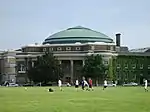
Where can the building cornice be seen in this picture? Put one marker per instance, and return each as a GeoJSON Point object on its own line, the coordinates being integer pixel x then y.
{"type": "Point", "coordinates": [75, 44]}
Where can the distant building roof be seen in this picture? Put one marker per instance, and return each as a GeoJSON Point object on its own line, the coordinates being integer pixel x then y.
{"type": "Point", "coordinates": [147, 49]}
{"type": "Point", "coordinates": [124, 49]}
{"type": "Point", "coordinates": [18, 50]}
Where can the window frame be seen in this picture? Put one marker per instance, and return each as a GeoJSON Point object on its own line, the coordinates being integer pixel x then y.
{"type": "Point", "coordinates": [59, 48]}
{"type": "Point", "coordinates": [51, 49]}
{"type": "Point", "coordinates": [68, 49]}
{"type": "Point", "coordinates": [78, 48]}
{"type": "Point", "coordinates": [44, 49]}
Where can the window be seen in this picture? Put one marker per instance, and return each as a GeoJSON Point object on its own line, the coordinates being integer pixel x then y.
{"type": "Point", "coordinates": [22, 67]}
{"type": "Point", "coordinates": [59, 49]}
{"type": "Point", "coordinates": [32, 49]}
{"type": "Point", "coordinates": [134, 76]}
{"type": "Point", "coordinates": [111, 48]}
{"type": "Point", "coordinates": [44, 49]}
{"type": "Point", "coordinates": [36, 50]}
{"type": "Point", "coordinates": [78, 48]}
{"type": "Point", "coordinates": [114, 48]}
{"type": "Point", "coordinates": [68, 48]}
{"type": "Point", "coordinates": [126, 75]}
{"type": "Point", "coordinates": [92, 47]}
{"type": "Point", "coordinates": [11, 60]}
{"type": "Point", "coordinates": [50, 49]}
{"type": "Point", "coordinates": [108, 47]}
{"type": "Point", "coordinates": [126, 66]}
{"type": "Point", "coordinates": [118, 65]}
{"type": "Point", "coordinates": [141, 66]}
{"type": "Point", "coordinates": [133, 66]}
{"type": "Point", "coordinates": [105, 62]}
{"type": "Point", "coordinates": [118, 75]}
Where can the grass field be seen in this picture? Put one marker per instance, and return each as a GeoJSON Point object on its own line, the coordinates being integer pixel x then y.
{"type": "Point", "coordinates": [38, 99]}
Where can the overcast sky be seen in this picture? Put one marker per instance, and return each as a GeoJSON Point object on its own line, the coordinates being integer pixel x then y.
{"type": "Point", "coordinates": [25, 22]}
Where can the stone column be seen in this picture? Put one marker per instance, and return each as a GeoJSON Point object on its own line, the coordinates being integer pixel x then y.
{"type": "Point", "coordinates": [26, 63]}
{"type": "Point", "coordinates": [83, 61]}
{"type": "Point", "coordinates": [71, 72]}
{"type": "Point", "coordinates": [32, 63]}
{"type": "Point", "coordinates": [60, 62]}
{"type": "Point", "coordinates": [21, 67]}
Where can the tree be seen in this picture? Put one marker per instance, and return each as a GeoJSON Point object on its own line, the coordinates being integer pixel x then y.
{"type": "Point", "coordinates": [110, 70]}
{"type": "Point", "coordinates": [94, 67]}
{"type": "Point", "coordinates": [46, 69]}
{"type": "Point", "coordinates": [0, 78]}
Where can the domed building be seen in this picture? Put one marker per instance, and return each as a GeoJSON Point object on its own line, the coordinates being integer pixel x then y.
{"type": "Point", "coordinates": [77, 34]}
{"type": "Point", "coordinates": [73, 44]}
{"type": "Point", "coordinates": [70, 46]}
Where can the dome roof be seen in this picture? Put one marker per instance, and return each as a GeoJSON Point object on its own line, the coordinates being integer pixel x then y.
{"type": "Point", "coordinates": [77, 34]}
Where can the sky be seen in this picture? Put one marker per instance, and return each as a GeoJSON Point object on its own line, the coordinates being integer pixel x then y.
{"type": "Point", "coordinates": [24, 22]}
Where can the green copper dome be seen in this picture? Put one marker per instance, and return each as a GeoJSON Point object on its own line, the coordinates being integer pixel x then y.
{"type": "Point", "coordinates": [77, 34]}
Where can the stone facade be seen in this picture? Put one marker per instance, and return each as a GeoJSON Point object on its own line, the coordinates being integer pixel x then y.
{"type": "Point", "coordinates": [14, 64]}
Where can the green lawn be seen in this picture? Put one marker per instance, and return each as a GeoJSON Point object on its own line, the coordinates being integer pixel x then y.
{"type": "Point", "coordinates": [38, 99]}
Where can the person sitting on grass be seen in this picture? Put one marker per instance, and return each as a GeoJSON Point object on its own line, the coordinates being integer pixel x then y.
{"type": "Point", "coordinates": [51, 90]}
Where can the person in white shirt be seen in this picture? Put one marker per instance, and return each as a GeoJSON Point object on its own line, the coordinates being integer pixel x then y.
{"type": "Point", "coordinates": [86, 85]}
{"type": "Point", "coordinates": [77, 84]}
{"type": "Point", "coordinates": [145, 85]}
{"type": "Point", "coordinates": [60, 84]}
{"type": "Point", "coordinates": [105, 84]}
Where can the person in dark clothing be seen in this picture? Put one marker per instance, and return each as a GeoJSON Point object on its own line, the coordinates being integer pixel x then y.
{"type": "Point", "coordinates": [51, 90]}
{"type": "Point", "coordinates": [82, 83]}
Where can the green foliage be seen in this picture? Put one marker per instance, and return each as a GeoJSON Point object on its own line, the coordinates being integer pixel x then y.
{"type": "Point", "coordinates": [131, 66]}
{"type": "Point", "coordinates": [94, 67]}
{"type": "Point", "coordinates": [0, 78]}
{"type": "Point", "coordinates": [114, 68]}
{"type": "Point", "coordinates": [110, 70]}
{"type": "Point", "coordinates": [47, 68]}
